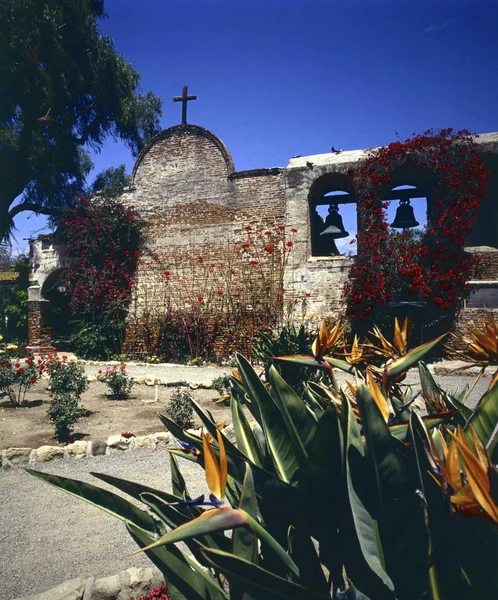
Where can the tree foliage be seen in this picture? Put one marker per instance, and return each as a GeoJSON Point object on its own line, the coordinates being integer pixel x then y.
{"type": "Point", "coordinates": [64, 89]}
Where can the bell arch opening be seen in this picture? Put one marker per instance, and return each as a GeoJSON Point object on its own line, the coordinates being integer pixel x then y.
{"type": "Point", "coordinates": [332, 216]}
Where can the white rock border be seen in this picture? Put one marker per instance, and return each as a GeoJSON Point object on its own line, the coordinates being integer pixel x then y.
{"type": "Point", "coordinates": [115, 444]}
{"type": "Point", "coordinates": [126, 585]}
{"type": "Point", "coordinates": [14, 456]}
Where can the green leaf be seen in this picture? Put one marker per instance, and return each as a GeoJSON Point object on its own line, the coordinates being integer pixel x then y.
{"type": "Point", "coordinates": [366, 527]}
{"type": "Point", "coordinates": [430, 389]}
{"type": "Point", "coordinates": [340, 364]}
{"type": "Point", "coordinates": [246, 440]}
{"type": "Point", "coordinates": [107, 501]}
{"type": "Point", "coordinates": [185, 580]}
{"type": "Point", "coordinates": [305, 360]}
{"type": "Point", "coordinates": [485, 416]}
{"type": "Point", "coordinates": [257, 581]}
{"type": "Point", "coordinates": [411, 358]}
{"type": "Point", "coordinates": [177, 479]}
{"type": "Point", "coordinates": [300, 422]}
{"type": "Point", "coordinates": [400, 431]}
{"type": "Point", "coordinates": [244, 541]}
{"type": "Point", "coordinates": [280, 447]}
{"type": "Point", "coordinates": [221, 519]}
{"type": "Point", "coordinates": [381, 450]}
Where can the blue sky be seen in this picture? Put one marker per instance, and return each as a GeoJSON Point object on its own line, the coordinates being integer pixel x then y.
{"type": "Point", "coordinates": [278, 78]}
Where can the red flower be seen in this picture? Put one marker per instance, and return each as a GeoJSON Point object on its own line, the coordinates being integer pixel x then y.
{"type": "Point", "coordinates": [253, 263]}
{"type": "Point", "coordinates": [269, 249]}
{"type": "Point", "coordinates": [32, 379]}
{"type": "Point", "coordinates": [167, 273]}
{"type": "Point", "coordinates": [248, 228]}
{"type": "Point", "coordinates": [294, 230]}
{"type": "Point", "coordinates": [21, 371]}
{"type": "Point", "coordinates": [289, 244]}
{"type": "Point", "coordinates": [281, 227]}
{"type": "Point", "coordinates": [268, 233]}
{"type": "Point", "coordinates": [200, 298]}
{"type": "Point", "coordinates": [219, 292]}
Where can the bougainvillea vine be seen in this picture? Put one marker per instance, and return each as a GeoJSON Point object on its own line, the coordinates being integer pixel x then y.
{"type": "Point", "coordinates": [434, 266]}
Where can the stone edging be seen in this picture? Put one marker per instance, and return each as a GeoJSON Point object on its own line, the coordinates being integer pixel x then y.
{"type": "Point", "coordinates": [126, 585]}
{"type": "Point", "coordinates": [115, 444]}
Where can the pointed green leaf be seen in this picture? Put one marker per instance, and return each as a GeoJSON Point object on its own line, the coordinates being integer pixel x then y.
{"type": "Point", "coordinates": [300, 422]}
{"type": "Point", "coordinates": [107, 501]}
{"type": "Point", "coordinates": [177, 479]}
{"type": "Point", "coordinates": [246, 440]}
{"type": "Point", "coordinates": [244, 541]}
{"type": "Point", "coordinates": [186, 581]}
{"type": "Point", "coordinates": [410, 359]}
{"type": "Point", "coordinates": [366, 527]}
{"type": "Point", "coordinates": [280, 447]}
{"type": "Point", "coordinates": [485, 416]}
{"type": "Point", "coordinates": [257, 581]}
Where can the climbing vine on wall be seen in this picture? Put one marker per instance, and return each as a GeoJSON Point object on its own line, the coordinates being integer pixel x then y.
{"type": "Point", "coordinates": [102, 240]}
{"type": "Point", "coordinates": [435, 266]}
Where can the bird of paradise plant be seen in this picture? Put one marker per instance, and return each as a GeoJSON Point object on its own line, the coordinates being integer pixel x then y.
{"type": "Point", "coordinates": [410, 505]}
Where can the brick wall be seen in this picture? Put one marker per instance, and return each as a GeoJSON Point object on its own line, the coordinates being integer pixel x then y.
{"type": "Point", "coordinates": [196, 205]}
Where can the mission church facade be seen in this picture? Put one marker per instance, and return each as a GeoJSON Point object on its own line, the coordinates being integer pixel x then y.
{"type": "Point", "coordinates": [185, 185]}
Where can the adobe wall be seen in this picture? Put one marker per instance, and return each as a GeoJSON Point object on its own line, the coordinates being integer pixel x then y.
{"type": "Point", "coordinates": [185, 185]}
{"type": "Point", "coordinates": [321, 279]}
{"type": "Point", "coordinates": [196, 204]}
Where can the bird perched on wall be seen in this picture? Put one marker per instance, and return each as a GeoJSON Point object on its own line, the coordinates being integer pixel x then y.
{"type": "Point", "coordinates": [309, 164]}
{"type": "Point", "coordinates": [335, 151]}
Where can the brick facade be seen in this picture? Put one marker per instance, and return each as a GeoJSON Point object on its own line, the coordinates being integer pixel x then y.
{"type": "Point", "coordinates": [196, 204]}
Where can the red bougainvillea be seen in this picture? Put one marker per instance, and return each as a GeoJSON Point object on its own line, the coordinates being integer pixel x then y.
{"type": "Point", "coordinates": [101, 239]}
{"type": "Point", "coordinates": [435, 266]}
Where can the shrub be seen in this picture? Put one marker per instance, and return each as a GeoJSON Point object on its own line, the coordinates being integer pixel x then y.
{"type": "Point", "coordinates": [117, 380]}
{"type": "Point", "coordinates": [180, 408]}
{"type": "Point", "coordinates": [64, 412]}
{"type": "Point", "coordinates": [287, 341]}
{"type": "Point", "coordinates": [17, 375]}
{"type": "Point", "coordinates": [342, 494]}
{"type": "Point", "coordinates": [65, 377]}
{"type": "Point", "coordinates": [223, 385]}
{"type": "Point", "coordinates": [67, 383]}
{"type": "Point", "coordinates": [184, 335]}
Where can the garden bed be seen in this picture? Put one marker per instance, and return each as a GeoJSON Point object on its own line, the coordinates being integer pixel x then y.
{"type": "Point", "coordinates": [29, 425]}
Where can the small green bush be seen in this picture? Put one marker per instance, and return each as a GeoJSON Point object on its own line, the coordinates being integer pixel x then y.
{"type": "Point", "coordinates": [64, 412]}
{"type": "Point", "coordinates": [66, 377]}
{"type": "Point", "coordinates": [118, 382]}
{"type": "Point", "coordinates": [67, 383]}
{"type": "Point", "coordinates": [16, 375]}
{"type": "Point", "coordinates": [180, 408]}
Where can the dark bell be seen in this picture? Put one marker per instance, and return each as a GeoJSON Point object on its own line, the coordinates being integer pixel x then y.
{"type": "Point", "coordinates": [334, 227]}
{"type": "Point", "coordinates": [405, 218]}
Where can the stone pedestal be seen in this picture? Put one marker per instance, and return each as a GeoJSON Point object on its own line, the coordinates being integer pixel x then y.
{"type": "Point", "coordinates": [39, 330]}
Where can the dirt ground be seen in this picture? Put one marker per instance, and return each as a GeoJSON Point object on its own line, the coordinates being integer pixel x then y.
{"type": "Point", "coordinates": [29, 425]}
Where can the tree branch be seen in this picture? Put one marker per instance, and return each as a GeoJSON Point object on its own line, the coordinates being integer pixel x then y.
{"type": "Point", "coordinates": [36, 208]}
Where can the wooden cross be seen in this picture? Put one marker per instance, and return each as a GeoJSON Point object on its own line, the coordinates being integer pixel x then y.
{"type": "Point", "coordinates": [184, 98]}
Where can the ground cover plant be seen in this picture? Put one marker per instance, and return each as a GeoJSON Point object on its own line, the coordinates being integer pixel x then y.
{"type": "Point", "coordinates": [342, 493]}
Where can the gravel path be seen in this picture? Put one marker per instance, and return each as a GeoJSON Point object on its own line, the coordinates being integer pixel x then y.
{"type": "Point", "coordinates": [47, 536]}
